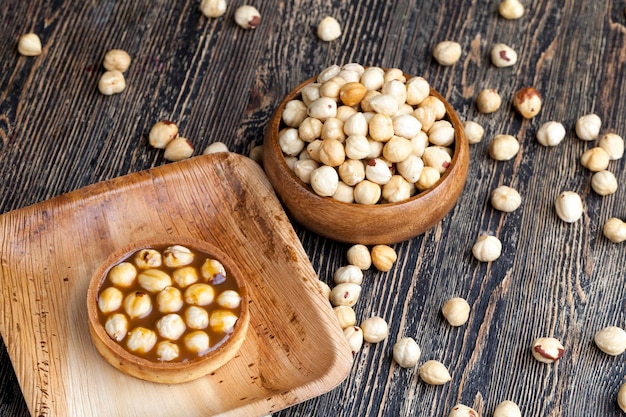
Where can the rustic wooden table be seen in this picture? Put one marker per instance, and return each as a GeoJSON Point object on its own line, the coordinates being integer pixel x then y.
{"type": "Point", "coordinates": [222, 83]}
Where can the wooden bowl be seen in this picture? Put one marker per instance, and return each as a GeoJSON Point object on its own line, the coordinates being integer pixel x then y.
{"type": "Point", "coordinates": [172, 372]}
{"type": "Point", "coordinates": [365, 224]}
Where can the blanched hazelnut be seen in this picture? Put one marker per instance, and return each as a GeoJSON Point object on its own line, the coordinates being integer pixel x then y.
{"type": "Point", "coordinates": [621, 398]}
{"type": "Point", "coordinates": [604, 182]}
{"type": "Point", "coordinates": [171, 326]}
{"type": "Point", "coordinates": [116, 327]}
{"type": "Point", "coordinates": [397, 149]}
{"type": "Point", "coordinates": [434, 373]}
{"type": "Point", "coordinates": [324, 181]}
{"type": "Point", "coordinates": [328, 29]}
{"type": "Point", "coordinates": [248, 17]}
{"type": "Point", "coordinates": [441, 133]}
{"type": "Point", "coordinates": [550, 133]}
{"type": "Point", "coordinates": [346, 317]}
{"type": "Point", "coordinates": [352, 172]}
{"type": "Point", "coordinates": [332, 152]}
{"type": "Point", "coordinates": [595, 159]}
{"type": "Point", "coordinates": [178, 149]}
{"type": "Point", "coordinates": [322, 108]}
{"type": "Point", "coordinates": [213, 8]}
{"type": "Point", "coordinates": [196, 317]}
{"type": "Point", "coordinates": [290, 142]}
{"type": "Point", "coordinates": [116, 59]}
{"type": "Point", "coordinates": [375, 329]}
{"type": "Point", "coordinates": [447, 52]}
{"type": "Point", "coordinates": [154, 280]}
{"type": "Point", "coordinates": [456, 311]}
{"type": "Point", "coordinates": [527, 102]}
{"type": "Point", "coordinates": [377, 171]}
{"type": "Point", "coordinates": [613, 144]}
{"type": "Point", "coordinates": [185, 276]}
{"type": "Point", "coordinates": [411, 168]}
{"type": "Point", "coordinates": [615, 230]}
{"type": "Point", "coordinates": [348, 273]}
{"type": "Point", "coordinates": [588, 127]}
{"type": "Point", "coordinates": [417, 89]}
{"type": "Point", "coordinates": [110, 300]}
{"type": "Point", "coordinates": [303, 169]}
{"type": "Point", "coordinates": [437, 157]}
{"type": "Point", "coordinates": [435, 105]}
{"type": "Point", "coordinates": [222, 321]}
{"type": "Point", "coordinates": [397, 189]}
{"type": "Point", "coordinates": [199, 294]}
{"type": "Point", "coordinates": [345, 294]}
{"type": "Point", "coordinates": [359, 256]}
{"type": "Point", "coordinates": [123, 274]}
{"type": "Point", "coordinates": [137, 304]}
{"type": "Point", "coordinates": [503, 147]}
{"type": "Point", "coordinates": [505, 199]}
{"type": "Point", "coordinates": [473, 131]}
{"type": "Point", "coordinates": [167, 351]}
{"type": "Point", "coordinates": [354, 336]}
{"type": "Point", "coordinates": [170, 300]}
{"type": "Point", "coordinates": [197, 341]}
{"type": "Point", "coordinates": [373, 78]}
{"type": "Point", "coordinates": [111, 82]}
{"type": "Point", "coordinates": [461, 410]}
{"type": "Point", "coordinates": [141, 340]}
{"type": "Point", "coordinates": [428, 178]}
{"type": "Point", "coordinates": [176, 256]}
{"type": "Point", "coordinates": [611, 340]}
{"type": "Point", "coordinates": [29, 45]}
{"type": "Point", "coordinates": [213, 271]}
{"type": "Point", "coordinates": [503, 55]}
{"type": "Point", "coordinates": [487, 248]}
{"type": "Point", "coordinates": [367, 192]}
{"type": "Point", "coordinates": [569, 206]}
{"type": "Point", "coordinates": [406, 352]}
{"type": "Point", "coordinates": [507, 409]}
{"type": "Point", "coordinates": [547, 349]}
{"type": "Point", "coordinates": [162, 133]}
{"type": "Point", "coordinates": [383, 257]}
{"type": "Point", "coordinates": [488, 100]}
{"type": "Point", "coordinates": [511, 9]}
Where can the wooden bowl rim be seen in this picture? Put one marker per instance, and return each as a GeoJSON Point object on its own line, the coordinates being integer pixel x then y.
{"type": "Point", "coordinates": [460, 141]}
{"type": "Point", "coordinates": [114, 258]}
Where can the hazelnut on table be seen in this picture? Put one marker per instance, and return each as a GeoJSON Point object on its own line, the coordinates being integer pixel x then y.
{"type": "Point", "coordinates": [569, 206]}
{"type": "Point", "coordinates": [456, 311]}
{"type": "Point", "coordinates": [383, 257]}
{"type": "Point", "coordinates": [621, 398]}
{"type": "Point", "coordinates": [434, 373]}
{"type": "Point", "coordinates": [503, 55]}
{"type": "Point", "coordinates": [615, 230]}
{"type": "Point", "coordinates": [613, 144]}
{"type": "Point", "coordinates": [29, 45]}
{"type": "Point", "coordinates": [487, 248]}
{"type": "Point", "coordinates": [550, 133]}
{"type": "Point", "coordinates": [595, 159]}
{"type": "Point", "coordinates": [473, 131]}
{"type": "Point", "coordinates": [604, 182]}
{"type": "Point", "coordinates": [406, 352]}
{"type": "Point", "coordinates": [527, 102]}
{"type": "Point", "coordinates": [503, 147]}
{"type": "Point", "coordinates": [111, 82]}
{"type": "Point", "coordinates": [461, 410]}
{"type": "Point", "coordinates": [488, 100]}
{"type": "Point", "coordinates": [547, 349]}
{"type": "Point", "coordinates": [505, 199]}
{"type": "Point", "coordinates": [611, 340]}
{"type": "Point", "coordinates": [178, 149]}
{"type": "Point", "coordinates": [511, 9]}
{"type": "Point", "coordinates": [447, 52]}
{"type": "Point", "coordinates": [213, 8]}
{"type": "Point", "coordinates": [588, 127]}
{"type": "Point", "coordinates": [116, 59]}
{"type": "Point", "coordinates": [162, 133]}
{"type": "Point", "coordinates": [359, 256]}
{"type": "Point", "coordinates": [247, 17]}
{"type": "Point", "coordinates": [375, 329]}
{"type": "Point", "coordinates": [329, 29]}
{"type": "Point", "coordinates": [507, 409]}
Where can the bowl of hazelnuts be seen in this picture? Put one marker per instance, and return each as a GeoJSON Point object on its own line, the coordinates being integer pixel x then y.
{"type": "Point", "coordinates": [366, 154]}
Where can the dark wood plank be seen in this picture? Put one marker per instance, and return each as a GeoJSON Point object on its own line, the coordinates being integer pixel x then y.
{"type": "Point", "coordinates": [218, 82]}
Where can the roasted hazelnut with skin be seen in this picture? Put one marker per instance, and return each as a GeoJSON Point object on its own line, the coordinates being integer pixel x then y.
{"type": "Point", "coordinates": [547, 349]}
{"type": "Point", "coordinates": [527, 102]}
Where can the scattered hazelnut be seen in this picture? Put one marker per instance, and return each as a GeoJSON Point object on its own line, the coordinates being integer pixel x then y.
{"type": "Point", "coordinates": [551, 133]}
{"type": "Point", "coordinates": [375, 329]}
{"type": "Point", "coordinates": [434, 373]}
{"type": "Point", "coordinates": [503, 147]}
{"type": "Point", "coordinates": [29, 45]}
{"type": "Point", "coordinates": [547, 349]}
{"type": "Point", "coordinates": [213, 8]}
{"type": "Point", "coordinates": [569, 206]}
{"type": "Point", "coordinates": [111, 82]}
{"type": "Point", "coordinates": [595, 159]}
{"type": "Point", "coordinates": [162, 133]}
{"type": "Point", "coordinates": [348, 273]}
{"type": "Point", "coordinates": [329, 29]}
{"type": "Point", "coordinates": [215, 147]}
{"type": "Point", "coordinates": [505, 199]}
{"type": "Point", "coordinates": [456, 310]}
{"type": "Point", "coordinates": [588, 127]}
{"type": "Point", "coordinates": [116, 59]}
{"type": "Point", "coordinates": [604, 182]}
{"type": "Point", "coordinates": [507, 409]}
{"type": "Point", "coordinates": [406, 352]}
{"type": "Point", "coordinates": [615, 230]}
{"type": "Point", "coordinates": [359, 256]}
{"type": "Point", "coordinates": [488, 100]}
{"type": "Point", "coordinates": [178, 149]}
{"type": "Point", "coordinates": [383, 257]}
{"type": "Point", "coordinates": [511, 9]}
{"type": "Point", "coordinates": [613, 144]}
{"type": "Point", "coordinates": [473, 131]}
{"type": "Point", "coordinates": [621, 398]}
{"type": "Point", "coordinates": [503, 55]}
{"type": "Point", "coordinates": [346, 317]}
{"type": "Point", "coordinates": [611, 340]}
{"type": "Point", "coordinates": [346, 294]}
{"type": "Point", "coordinates": [354, 336]}
{"type": "Point", "coordinates": [447, 52]}
{"type": "Point", "coordinates": [527, 102]}
{"type": "Point", "coordinates": [461, 410]}
{"type": "Point", "coordinates": [248, 17]}
{"type": "Point", "coordinates": [487, 248]}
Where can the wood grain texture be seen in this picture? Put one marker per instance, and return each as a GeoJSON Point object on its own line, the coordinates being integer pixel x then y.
{"type": "Point", "coordinates": [219, 82]}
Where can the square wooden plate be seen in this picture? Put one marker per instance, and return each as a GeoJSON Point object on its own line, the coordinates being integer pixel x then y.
{"type": "Point", "coordinates": [294, 349]}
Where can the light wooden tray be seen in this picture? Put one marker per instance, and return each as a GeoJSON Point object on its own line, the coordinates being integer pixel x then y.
{"type": "Point", "coordinates": [294, 349]}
